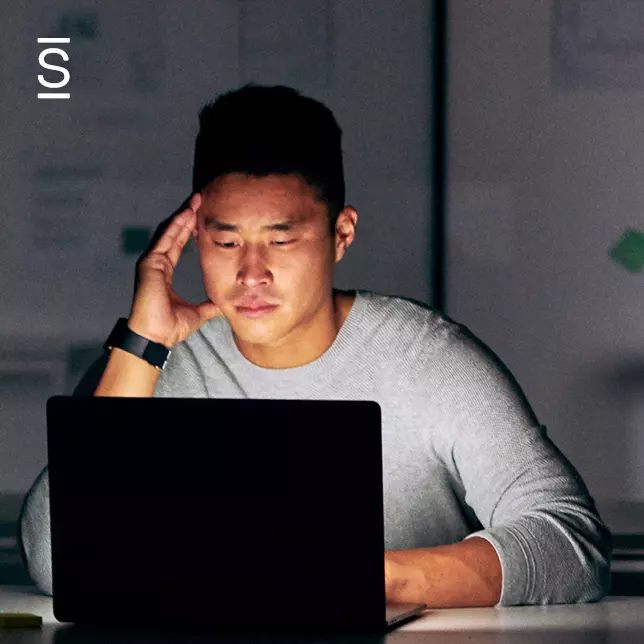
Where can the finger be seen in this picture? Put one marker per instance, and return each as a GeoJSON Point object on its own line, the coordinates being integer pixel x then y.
{"type": "Point", "coordinates": [183, 235]}
{"type": "Point", "coordinates": [163, 226]}
{"type": "Point", "coordinates": [208, 310]}
{"type": "Point", "coordinates": [195, 201]}
{"type": "Point", "coordinates": [185, 204]}
{"type": "Point", "coordinates": [168, 237]}
{"type": "Point", "coordinates": [167, 233]}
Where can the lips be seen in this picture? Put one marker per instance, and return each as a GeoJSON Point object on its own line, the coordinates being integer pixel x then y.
{"type": "Point", "coordinates": [253, 305]}
{"type": "Point", "coordinates": [256, 313]}
{"type": "Point", "coordinates": [254, 308]}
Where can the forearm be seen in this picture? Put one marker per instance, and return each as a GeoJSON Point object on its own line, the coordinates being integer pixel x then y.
{"type": "Point", "coordinates": [127, 375]}
{"type": "Point", "coordinates": [467, 573]}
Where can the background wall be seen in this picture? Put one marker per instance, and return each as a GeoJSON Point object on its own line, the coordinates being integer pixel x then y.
{"type": "Point", "coordinates": [546, 150]}
{"type": "Point", "coordinates": [79, 176]}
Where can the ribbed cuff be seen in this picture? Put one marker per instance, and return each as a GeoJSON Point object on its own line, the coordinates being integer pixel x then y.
{"type": "Point", "coordinates": [517, 564]}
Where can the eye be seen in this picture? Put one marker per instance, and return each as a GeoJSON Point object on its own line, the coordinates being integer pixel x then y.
{"type": "Point", "coordinates": [231, 244]}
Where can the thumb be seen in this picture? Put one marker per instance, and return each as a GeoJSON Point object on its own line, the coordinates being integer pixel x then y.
{"type": "Point", "coordinates": [208, 310]}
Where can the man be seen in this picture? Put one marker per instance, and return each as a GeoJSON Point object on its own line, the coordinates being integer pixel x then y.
{"type": "Point", "coordinates": [480, 507]}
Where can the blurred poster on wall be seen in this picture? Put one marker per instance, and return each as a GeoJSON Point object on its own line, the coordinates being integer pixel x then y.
{"type": "Point", "coordinates": [597, 43]}
{"type": "Point", "coordinates": [271, 30]}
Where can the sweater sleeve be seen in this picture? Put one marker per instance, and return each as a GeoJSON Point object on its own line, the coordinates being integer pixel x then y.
{"type": "Point", "coordinates": [34, 533]}
{"type": "Point", "coordinates": [531, 502]}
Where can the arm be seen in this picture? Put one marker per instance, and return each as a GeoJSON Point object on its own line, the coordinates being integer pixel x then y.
{"type": "Point", "coordinates": [467, 573]}
{"type": "Point", "coordinates": [534, 508]}
{"type": "Point", "coordinates": [127, 375]}
{"type": "Point", "coordinates": [158, 313]}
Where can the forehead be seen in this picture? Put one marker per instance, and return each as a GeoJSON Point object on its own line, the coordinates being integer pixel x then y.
{"type": "Point", "coordinates": [238, 194]}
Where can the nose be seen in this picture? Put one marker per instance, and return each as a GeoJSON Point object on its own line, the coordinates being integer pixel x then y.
{"type": "Point", "coordinates": [253, 269]}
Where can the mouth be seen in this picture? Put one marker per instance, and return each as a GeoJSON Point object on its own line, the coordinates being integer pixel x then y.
{"type": "Point", "coordinates": [256, 310]}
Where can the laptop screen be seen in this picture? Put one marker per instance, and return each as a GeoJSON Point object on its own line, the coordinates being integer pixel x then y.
{"type": "Point", "coordinates": [162, 504]}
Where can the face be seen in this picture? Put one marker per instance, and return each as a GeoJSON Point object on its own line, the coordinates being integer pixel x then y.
{"type": "Point", "coordinates": [267, 258]}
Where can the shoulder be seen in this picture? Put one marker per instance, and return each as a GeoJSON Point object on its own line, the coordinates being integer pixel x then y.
{"type": "Point", "coordinates": [417, 319]}
{"type": "Point", "coordinates": [407, 325]}
{"type": "Point", "coordinates": [469, 375]}
{"type": "Point", "coordinates": [459, 363]}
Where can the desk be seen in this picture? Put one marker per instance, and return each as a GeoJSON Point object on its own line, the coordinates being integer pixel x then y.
{"type": "Point", "coordinates": [615, 620]}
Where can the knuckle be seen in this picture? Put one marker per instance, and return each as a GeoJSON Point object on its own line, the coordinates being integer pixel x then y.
{"type": "Point", "coordinates": [155, 261]}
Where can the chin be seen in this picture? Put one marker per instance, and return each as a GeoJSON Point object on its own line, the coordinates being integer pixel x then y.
{"type": "Point", "coordinates": [258, 338]}
{"type": "Point", "coordinates": [254, 331]}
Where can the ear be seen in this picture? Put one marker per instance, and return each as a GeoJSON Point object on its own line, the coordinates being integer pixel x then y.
{"type": "Point", "coordinates": [345, 231]}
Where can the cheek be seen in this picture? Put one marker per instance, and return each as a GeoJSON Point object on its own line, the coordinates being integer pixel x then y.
{"type": "Point", "coordinates": [311, 256]}
{"type": "Point", "coordinates": [314, 265]}
{"type": "Point", "coordinates": [215, 272]}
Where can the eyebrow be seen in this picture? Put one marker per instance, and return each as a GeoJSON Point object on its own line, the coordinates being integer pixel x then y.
{"type": "Point", "coordinates": [286, 225]}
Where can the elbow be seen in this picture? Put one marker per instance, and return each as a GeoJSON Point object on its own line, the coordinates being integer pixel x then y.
{"type": "Point", "coordinates": [592, 586]}
{"type": "Point", "coordinates": [34, 534]}
{"type": "Point", "coordinates": [598, 578]}
{"type": "Point", "coordinates": [593, 553]}
{"type": "Point", "coordinates": [38, 566]}
{"type": "Point", "coordinates": [555, 559]}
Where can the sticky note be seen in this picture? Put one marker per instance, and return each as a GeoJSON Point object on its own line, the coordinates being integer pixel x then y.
{"type": "Point", "coordinates": [134, 239]}
{"type": "Point", "coordinates": [629, 250]}
{"type": "Point", "coordinates": [20, 620]}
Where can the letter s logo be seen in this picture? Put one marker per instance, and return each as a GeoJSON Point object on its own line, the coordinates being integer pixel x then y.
{"type": "Point", "coordinates": [62, 70]}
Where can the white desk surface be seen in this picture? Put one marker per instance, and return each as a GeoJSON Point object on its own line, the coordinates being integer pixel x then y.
{"type": "Point", "coordinates": [614, 620]}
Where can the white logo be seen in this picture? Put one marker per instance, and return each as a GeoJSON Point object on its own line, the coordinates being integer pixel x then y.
{"type": "Point", "coordinates": [43, 63]}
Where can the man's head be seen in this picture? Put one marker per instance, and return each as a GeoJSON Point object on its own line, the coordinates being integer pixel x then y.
{"type": "Point", "coordinates": [272, 224]}
{"type": "Point", "coordinates": [263, 130]}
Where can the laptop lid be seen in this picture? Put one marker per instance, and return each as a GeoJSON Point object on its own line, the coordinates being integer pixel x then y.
{"type": "Point", "coordinates": [242, 512]}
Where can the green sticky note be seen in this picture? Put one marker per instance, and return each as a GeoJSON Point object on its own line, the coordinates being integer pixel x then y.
{"type": "Point", "coordinates": [134, 240]}
{"type": "Point", "coordinates": [629, 250]}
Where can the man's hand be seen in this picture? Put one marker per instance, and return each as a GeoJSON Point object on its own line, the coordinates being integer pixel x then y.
{"type": "Point", "coordinates": [467, 573]}
{"type": "Point", "coordinates": [158, 313]}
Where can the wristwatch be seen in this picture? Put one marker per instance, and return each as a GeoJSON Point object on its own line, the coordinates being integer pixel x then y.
{"type": "Point", "coordinates": [122, 337]}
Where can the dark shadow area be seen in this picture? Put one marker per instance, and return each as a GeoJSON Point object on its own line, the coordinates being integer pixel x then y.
{"type": "Point", "coordinates": [12, 569]}
{"type": "Point", "coordinates": [74, 634]}
{"type": "Point", "coordinates": [627, 584]}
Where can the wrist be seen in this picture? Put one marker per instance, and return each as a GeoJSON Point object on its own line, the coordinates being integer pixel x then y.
{"type": "Point", "coordinates": [141, 328]}
{"type": "Point", "coordinates": [128, 340]}
{"type": "Point", "coordinates": [127, 375]}
{"type": "Point", "coordinates": [396, 578]}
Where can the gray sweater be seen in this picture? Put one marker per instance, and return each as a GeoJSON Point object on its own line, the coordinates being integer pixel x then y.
{"type": "Point", "coordinates": [463, 453]}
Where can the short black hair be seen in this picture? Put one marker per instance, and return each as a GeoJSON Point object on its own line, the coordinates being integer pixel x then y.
{"type": "Point", "coordinates": [260, 130]}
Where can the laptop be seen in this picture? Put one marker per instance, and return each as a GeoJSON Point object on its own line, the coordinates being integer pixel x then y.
{"type": "Point", "coordinates": [229, 513]}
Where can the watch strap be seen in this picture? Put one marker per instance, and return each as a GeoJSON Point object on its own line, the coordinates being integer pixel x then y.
{"type": "Point", "coordinates": [122, 337]}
